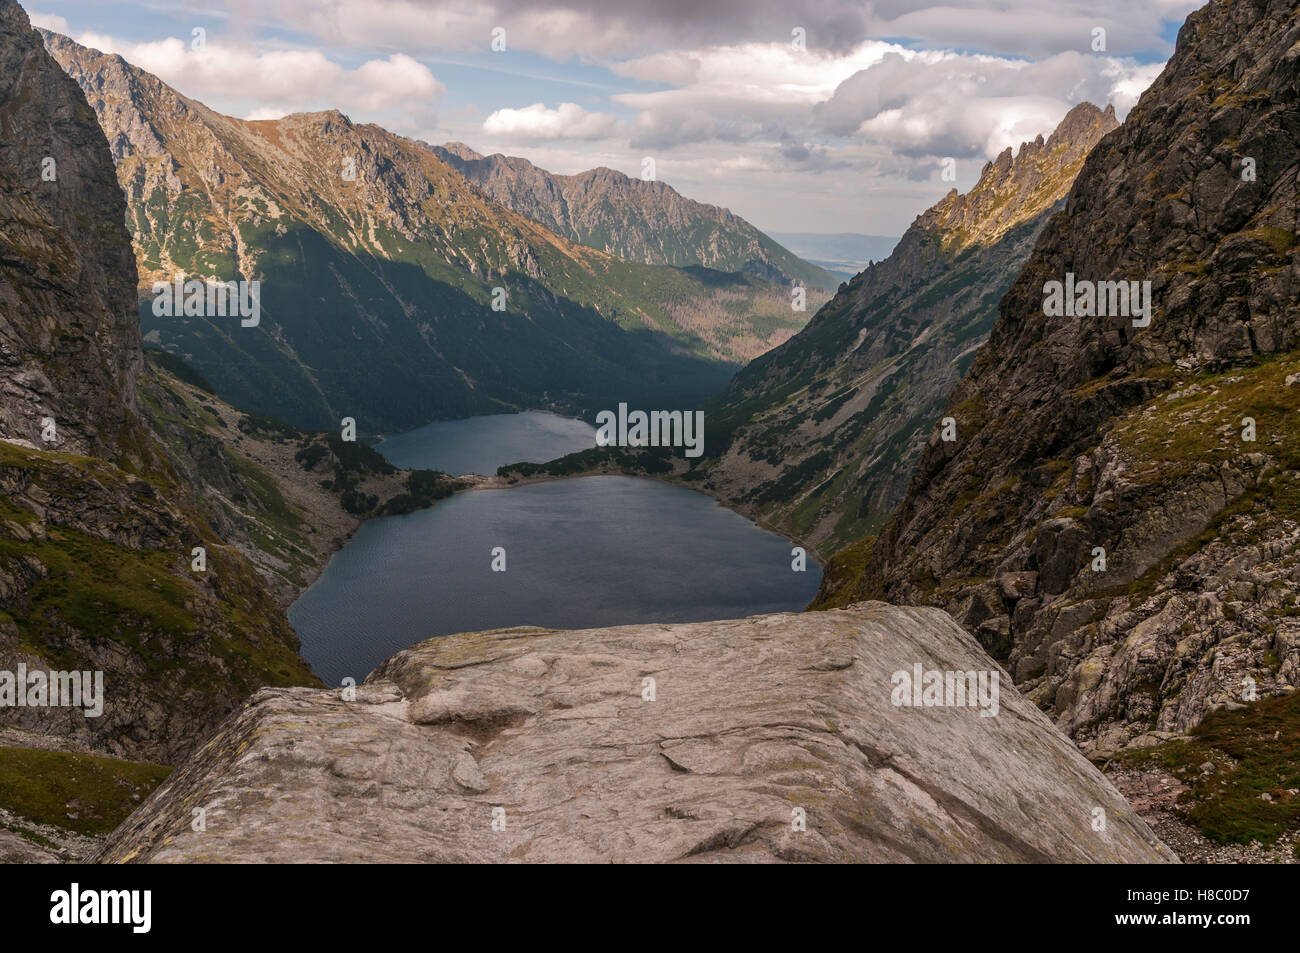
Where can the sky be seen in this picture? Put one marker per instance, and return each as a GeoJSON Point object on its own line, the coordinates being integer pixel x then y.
{"type": "Point", "coordinates": [799, 115]}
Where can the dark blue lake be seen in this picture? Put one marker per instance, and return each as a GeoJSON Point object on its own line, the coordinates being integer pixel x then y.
{"type": "Point", "coordinates": [582, 552]}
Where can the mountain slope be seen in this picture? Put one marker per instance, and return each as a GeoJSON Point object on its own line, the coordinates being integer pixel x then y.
{"type": "Point", "coordinates": [818, 437]}
{"type": "Point", "coordinates": [285, 499]}
{"type": "Point", "coordinates": [96, 533]}
{"type": "Point", "coordinates": [649, 222]}
{"type": "Point", "coordinates": [1078, 435]}
{"type": "Point", "coordinates": [395, 267]}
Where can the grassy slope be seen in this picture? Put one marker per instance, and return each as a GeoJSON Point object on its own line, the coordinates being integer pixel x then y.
{"type": "Point", "coordinates": [78, 792]}
{"type": "Point", "coordinates": [140, 597]}
{"type": "Point", "coordinates": [1250, 794]}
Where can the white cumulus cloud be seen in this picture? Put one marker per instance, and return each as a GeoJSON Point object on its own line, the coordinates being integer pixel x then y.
{"type": "Point", "coordinates": [273, 83]}
{"type": "Point", "coordinates": [538, 122]}
{"type": "Point", "coordinates": [48, 21]}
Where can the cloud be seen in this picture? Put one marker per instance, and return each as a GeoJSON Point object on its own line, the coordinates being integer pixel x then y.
{"type": "Point", "coordinates": [394, 81]}
{"type": "Point", "coordinates": [48, 21]}
{"type": "Point", "coordinates": [537, 122]}
{"type": "Point", "coordinates": [773, 70]}
{"type": "Point", "coordinates": [746, 164]}
{"type": "Point", "coordinates": [715, 91]}
{"type": "Point", "coordinates": [623, 29]}
{"type": "Point", "coordinates": [265, 112]}
{"type": "Point", "coordinates": [273, 83]}
{"type": "Point", "coordinates": [1031, 28]}
{"type": "Point", "coordinates": [916, 102]}
{"type": "Point", "coordinates": [737, 93]}
{"type": "Point", "coordinates": [591, 29]}
{"type": "Point", "coordinates": [963, 105]}
{"type": "Point", "coordinates": [1128, 87]}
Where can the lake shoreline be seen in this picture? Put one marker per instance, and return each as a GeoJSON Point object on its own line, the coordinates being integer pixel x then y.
{"type": "Point", "coordinates": [481, 482]}
{"type": "Point", "coordinates": [581, 553]}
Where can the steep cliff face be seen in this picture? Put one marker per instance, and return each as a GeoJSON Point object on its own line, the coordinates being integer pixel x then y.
{"type": "Point", "coordinates": [649, 222]}
{"type": "Point", "coordinates": [69, 340]}
{"type": "Point", "coordinates": [96, 532]}
{"type": "Point", "coordinates": [532, 745]}
{"type": "Point", "coordinates": [1118, 517]}
{"type": "Point", "coordinates": [284, 498]}
{"type": "Point", "coordinates": [818, 437]}
{"type": "Point", "coordinates": [371, 251]}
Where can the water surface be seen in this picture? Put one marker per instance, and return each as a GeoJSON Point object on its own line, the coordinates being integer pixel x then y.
{"type": "Point", "coordinates": [481, 444]}
{"type": "Point", "coordinates": [581, 552]}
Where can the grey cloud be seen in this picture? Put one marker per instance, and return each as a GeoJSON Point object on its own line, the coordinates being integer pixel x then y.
{"type": "Point", "coordinates": [966, 106]}
{"type": "Point", "coordinates": [889, 84]}
{"type": "Point", "coordinates": [1035, 28]}
{"type": "Point", "coordinates": [1021, 27]}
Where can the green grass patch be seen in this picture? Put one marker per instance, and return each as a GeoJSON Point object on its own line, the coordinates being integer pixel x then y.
{"type": "Point", "coordinates": [49, 786]}
{"type": "Point", "coordinates": [1256, 752]}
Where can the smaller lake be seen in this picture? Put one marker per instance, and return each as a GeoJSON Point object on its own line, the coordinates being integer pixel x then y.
{"type": "Point", "coordinates": [481, 444]}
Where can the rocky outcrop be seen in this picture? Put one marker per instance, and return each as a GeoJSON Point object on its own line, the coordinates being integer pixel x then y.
{"type": "Point", "coordinates": [1143, 476]}
{"type": "Point", "coordinates": [695, 742]}
{"type": "Point", "coordinates": [819, 437]}
{"type": "Point", "coordinates": [69, 339]}
{"type": "Point", "coordinates": [645, 221]}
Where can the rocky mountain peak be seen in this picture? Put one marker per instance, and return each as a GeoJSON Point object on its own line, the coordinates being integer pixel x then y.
{"type": "Point", "coordinates": [641, 221]}
{"type": "Point", "coordinates": [324, 122]}
{"type": "Point", "coordinates": [461, 151]}
{"type": "Point", "coordinates": [1078, 124]}
{"type": "Point", "coordinates": [1016, 186]}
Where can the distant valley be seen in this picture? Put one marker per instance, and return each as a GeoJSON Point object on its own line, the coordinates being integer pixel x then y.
{"type": "Point", "coordinates": [371, 251]}
{"type": "Point", "coordinates": [843, 253]}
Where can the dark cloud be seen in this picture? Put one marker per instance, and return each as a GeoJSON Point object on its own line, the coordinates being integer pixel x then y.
{"type": "Point", "coordinates": [1019, 27]}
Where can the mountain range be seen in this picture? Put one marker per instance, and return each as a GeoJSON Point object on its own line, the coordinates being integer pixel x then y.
{"type": "Point", "coordinates": [1102, 498]}
{"type": "Point", "coordinates": [645, 221]}
{"type": "Point", "coordinates": [1105, 496]}
{"type": "Point", "coordinates": [1117, 519]}
{"type": "Point", "coordinates": [371, 251]}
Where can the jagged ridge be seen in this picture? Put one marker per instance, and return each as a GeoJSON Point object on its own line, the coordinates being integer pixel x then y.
{"type": "Point", "coordinates": [1079, 433]}
{"type": "Point", "coordinates": [650, 222]}
{"type": "Point", "coordinates": [396, 267]}
{"type": "Point", "coordinates": [818, 437]}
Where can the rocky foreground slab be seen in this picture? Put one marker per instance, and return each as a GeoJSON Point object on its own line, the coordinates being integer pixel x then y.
{"type": "Point", "coordinates": [532, 744]}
